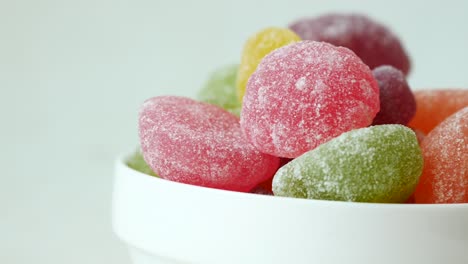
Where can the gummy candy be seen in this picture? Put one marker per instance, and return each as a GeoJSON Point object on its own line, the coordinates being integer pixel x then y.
{"type": "Point", "coordinates": [379, 164]}
{"type": "Point", "coordinates": [137, 162]}
{"type": "Point", "coordinates": [284, 161]}
{"type": "Point", "coordinates": [313, 101]}
{"type": "Point", "coordinates": [374, 43]}
{"type": "Point", "coordinates": [410, 200]}
{"type": "Point", "coordinates": [201, 144]}
{"type": "Point", "coordinates": [445, 150]}
{"type": "Point", "coordinates": [419, 135]}
{"type": "Point", "coordinates": [220, 89]}
{"type": "Point", "coordinates": [256, 48]}
{"type": "Point", "coordinates": [433, 106]}
{"type": "Point", "coordinates": [397, 104]}
{"type": "Point", "coordinates": [266, 186]}
{"type": "Point", "coordinates": [305, 94]}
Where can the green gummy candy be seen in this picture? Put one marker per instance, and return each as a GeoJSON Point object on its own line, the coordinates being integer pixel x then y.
{"type": "Point", "coordinates": [220, 89]}
{"type": "Point", "coordinates": [138, 163]}
{"type": "Point", "coordinates": [379, 164]}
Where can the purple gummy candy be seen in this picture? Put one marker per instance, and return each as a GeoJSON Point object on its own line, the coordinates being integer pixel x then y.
{"type": "Point", "coordinates": [397, 103]}
{"type": "Point", "coordinates": [374, 43]}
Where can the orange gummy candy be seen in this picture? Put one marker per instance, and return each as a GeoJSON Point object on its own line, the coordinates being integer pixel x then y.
{"type": "Point", "coordinates": [445, 151]}
{"type": "Point", "coordinates": [433, 106]}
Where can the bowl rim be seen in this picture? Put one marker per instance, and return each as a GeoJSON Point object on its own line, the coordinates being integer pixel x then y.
{"type": "Point", "coordinates": [121, 162]}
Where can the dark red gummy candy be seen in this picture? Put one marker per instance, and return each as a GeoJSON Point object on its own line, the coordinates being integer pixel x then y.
{"type": "Point", "coordinates": [374, 43]}
{"type": "Point", "coordinates": [397, 103]}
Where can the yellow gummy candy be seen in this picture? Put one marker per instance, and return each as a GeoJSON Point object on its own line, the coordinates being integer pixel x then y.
{"type": "Point", "coordinates": [257, 47]}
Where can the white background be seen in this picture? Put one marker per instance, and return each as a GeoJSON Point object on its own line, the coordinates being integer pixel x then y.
{"type": "Point", "coordinates": [73, 74]}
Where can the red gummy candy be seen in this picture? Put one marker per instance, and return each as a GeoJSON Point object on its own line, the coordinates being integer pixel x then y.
{"type": "Point", "coordinates": [284, 161]}
{"type": "Point", "coordinates": [397, 103]}
{"type": "Point", "coordinates": [374, 43]}
{"type": "Point", "coordinates": [410, 200]}
{"type": "Point", "coordinates": [266, 186]}
{"type": "Point", "coordinates": [305, 94]}
{"type": "Point", "coordinates": [445, 151]}
{"type": "Point", "coordinates": [197, 143]}
{"type": "Point", "coordinates": [433, 106]}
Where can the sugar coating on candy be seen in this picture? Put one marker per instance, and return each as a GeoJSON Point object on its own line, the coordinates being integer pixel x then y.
{"type": "Point", "coordinates": [397, 103]}
{"type": "Point", "coordinates": [137, 162]}
{"type": "Point", "coordinates": [374, 43]}
{"type": "Point", "coordinates": [305, 94]}
{"type": "Point", "coordinates": [379, 164]}
{"type": "Point", "coordinates": [445, 151]}
{"type": "Point", "coordinates": [256, 47]}
{"type": "Point", "coordinates": [434, 106]}
{"type": "Point", "coordinates": [220, 89]}
{"type": "Point", "coordinates": [201, 144]}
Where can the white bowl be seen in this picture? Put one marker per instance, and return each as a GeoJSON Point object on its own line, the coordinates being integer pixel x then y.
{"type": "Point", "coordinates": [173, 223]}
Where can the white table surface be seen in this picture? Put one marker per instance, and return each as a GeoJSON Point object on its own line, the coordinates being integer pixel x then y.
{"type": "Point", "coordinates": [73, 74]}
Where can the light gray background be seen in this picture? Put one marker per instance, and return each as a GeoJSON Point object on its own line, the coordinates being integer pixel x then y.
{"type": "Point", "coordinates": [73, 74]}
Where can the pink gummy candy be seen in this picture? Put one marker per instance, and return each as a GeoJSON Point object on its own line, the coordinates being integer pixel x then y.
{"type": "Point", "coordinates": [304, 94]}
{"type": "Point", "coordinates": [374, 43]}
{"type": "Point", "coordinates": [201, 144]}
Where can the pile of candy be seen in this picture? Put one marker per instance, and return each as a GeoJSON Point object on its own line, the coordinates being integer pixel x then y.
{"type": "Point", "coordinates": [325, 113]}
